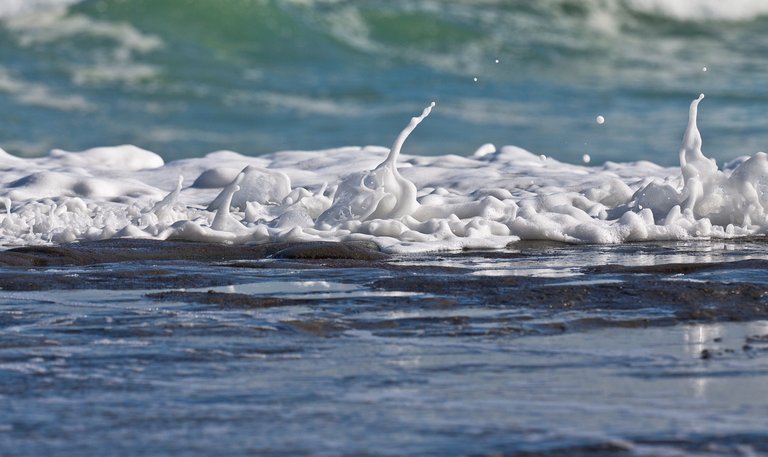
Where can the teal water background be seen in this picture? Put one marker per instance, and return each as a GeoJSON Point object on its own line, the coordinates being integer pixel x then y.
{"type": "Point", "coordinates": [187, 77]}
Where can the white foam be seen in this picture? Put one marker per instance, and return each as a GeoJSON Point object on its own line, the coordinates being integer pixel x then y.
{"type": "Point", "coordinates": [403, 203]}
{"type": "Point", "coordinates": [701, 10]}
{"type": "Point", "coordinates": [380, 193]}
{"type": "Point", "coordinates": [12, 8]}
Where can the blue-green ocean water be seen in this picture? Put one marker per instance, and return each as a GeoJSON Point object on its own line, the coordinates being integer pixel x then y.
{"type": "Point", "coordinates": [187, 77]}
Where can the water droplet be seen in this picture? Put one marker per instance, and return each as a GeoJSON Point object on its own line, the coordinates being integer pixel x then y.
{"type": "Point", "coordinates": [704, 69]}
{"type": "Point", "coordinates": [474, 79]}
{"type": "Point", "coordinates": [497, 61]}
{"type": "Point", "coordinates": [600, 120]}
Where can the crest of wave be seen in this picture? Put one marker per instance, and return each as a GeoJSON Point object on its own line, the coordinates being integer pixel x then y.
{"type": "Point", "coordinates": [10, 8]}
{"type": "Point", "coordinates": [611, 15]}
{"type": "Point", "coordinates": [702, 10]}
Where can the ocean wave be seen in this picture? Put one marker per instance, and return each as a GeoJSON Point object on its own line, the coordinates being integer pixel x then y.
{"type": "Point", "coordinates": [269, 75]}
{"type": "Point", "coordinates": [38, 94]}
{"type": "Point", "coordinates": [14, 8]}
{"type": "Point", "coordinates": [48, 24]}
{"type": "Point", "coordinates": [702, 10]}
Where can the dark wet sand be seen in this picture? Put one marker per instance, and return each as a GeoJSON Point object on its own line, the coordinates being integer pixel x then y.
{"type": "Point", "coordinates": [657, 294]}
{"type": "Point", "coordinates": [135, 250]}
{"type": "Point", "coordinates": [176, 348]}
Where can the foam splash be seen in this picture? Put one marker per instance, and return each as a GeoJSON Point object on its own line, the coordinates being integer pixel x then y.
{"type": "Point", "coordinates": [377, 194]}
{"type": "Point", "coordinates": [404, 204]}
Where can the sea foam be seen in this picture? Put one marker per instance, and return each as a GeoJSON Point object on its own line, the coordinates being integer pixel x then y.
{"type": "Point", "coordinates": [403, 203]}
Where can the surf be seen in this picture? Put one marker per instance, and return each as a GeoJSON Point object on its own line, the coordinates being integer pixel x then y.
{"type": "Point", "coordinates": [403, 203]}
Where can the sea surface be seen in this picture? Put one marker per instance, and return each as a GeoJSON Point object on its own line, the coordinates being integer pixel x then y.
{"type": "Point", "coordinates": [186, 77]}
{"type": "Point", "coordinates": [329, 227]}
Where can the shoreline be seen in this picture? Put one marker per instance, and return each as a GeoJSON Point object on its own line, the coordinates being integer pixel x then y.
{"type": "Point", "coordinates": [137, 345]}
{"type": "Point", "coordinates": [548, 279]}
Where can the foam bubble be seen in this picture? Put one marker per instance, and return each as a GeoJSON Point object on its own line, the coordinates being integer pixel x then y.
{"type": "Point", "coordinates": [487, 200]}
{"type": "Point", "coordinates": [600, 120]}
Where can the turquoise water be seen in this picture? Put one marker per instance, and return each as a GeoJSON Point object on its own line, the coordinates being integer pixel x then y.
{"type": "Point", "coordinates": [187, 77]}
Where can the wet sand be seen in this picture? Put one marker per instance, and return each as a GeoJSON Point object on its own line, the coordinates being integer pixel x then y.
{"type": "Point", "coordinates": [442, 280]}
{"type": "Point", "coordinates": [176, 348]}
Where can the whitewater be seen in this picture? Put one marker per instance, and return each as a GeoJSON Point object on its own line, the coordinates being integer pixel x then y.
{"type": "Point", "coordinates": [403, 203]}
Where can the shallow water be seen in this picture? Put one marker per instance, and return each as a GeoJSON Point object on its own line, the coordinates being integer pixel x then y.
{"type": "Point", "coordinates": [330, 356]}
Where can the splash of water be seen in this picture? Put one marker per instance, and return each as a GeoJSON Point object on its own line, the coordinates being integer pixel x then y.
{"type": "Point", "coordinates": [381, 193]}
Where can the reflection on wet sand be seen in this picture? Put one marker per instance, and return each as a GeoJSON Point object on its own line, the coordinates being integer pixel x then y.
{"type": "Point", "coordinates": [698, 343]}
{"type": "Point", "coordinates": [429, 352]}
